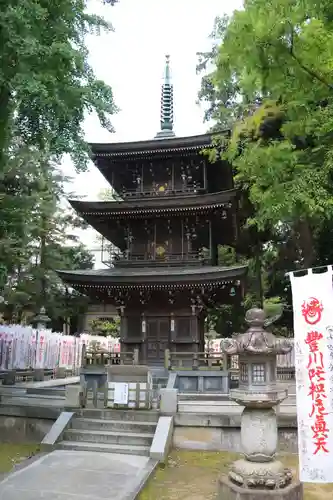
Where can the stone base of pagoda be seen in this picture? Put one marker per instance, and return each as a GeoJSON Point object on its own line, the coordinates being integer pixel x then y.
{"type": "Point", "coordinates": [230, 491]}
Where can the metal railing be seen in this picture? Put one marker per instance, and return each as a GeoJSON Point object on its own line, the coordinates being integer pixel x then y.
{"type": "Point", "coordinates": [132, 259]}
{"type": "Point", "coordinates": [168, 191]}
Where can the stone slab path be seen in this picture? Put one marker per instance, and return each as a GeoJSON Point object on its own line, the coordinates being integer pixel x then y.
{"type": "Point", "coordinates": [74, 475]}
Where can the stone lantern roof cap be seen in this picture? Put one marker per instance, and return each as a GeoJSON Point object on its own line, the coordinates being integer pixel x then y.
{"type": "Point", "coordinates": [257, 340]}
{"type": "Point", "coordinates": [42, 317]}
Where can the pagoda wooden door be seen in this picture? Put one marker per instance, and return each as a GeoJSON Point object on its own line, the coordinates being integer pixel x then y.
{"type": "Point", "coordinates": [157, 339]}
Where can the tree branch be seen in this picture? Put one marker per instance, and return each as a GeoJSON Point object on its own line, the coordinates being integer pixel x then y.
{"type": "Point", "coordinates": [291, 51]}
{"type": "Point", "coordinates": [307, 70]}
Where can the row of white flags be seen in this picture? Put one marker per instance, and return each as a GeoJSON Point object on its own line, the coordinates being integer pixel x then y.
{"type": "Point", "coordinates": [313, 342]}
{"type": "Point", "coordinates": [23, 347]}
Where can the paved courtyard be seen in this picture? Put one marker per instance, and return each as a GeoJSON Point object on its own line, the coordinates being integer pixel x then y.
{"type": "Point", "coordinates": [74, 475]}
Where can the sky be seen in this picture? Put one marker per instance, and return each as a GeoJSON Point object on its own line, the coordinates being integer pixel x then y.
{"type": "Point", "coordinates": [131, 60]}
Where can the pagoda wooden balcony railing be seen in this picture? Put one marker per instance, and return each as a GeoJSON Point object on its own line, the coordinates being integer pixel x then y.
{"type": "Point", "coordinates": [172, 259]}
{"type": "Point", "coordinates": [153, 193]}
{"type": "Point", "coordinates": [96, 359]}
{"type": "Point", "coordinates": [195, 360]}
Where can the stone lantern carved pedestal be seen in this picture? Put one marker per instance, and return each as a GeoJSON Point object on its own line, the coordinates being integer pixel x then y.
{"type": "Point", "coordinates": [258, 474]}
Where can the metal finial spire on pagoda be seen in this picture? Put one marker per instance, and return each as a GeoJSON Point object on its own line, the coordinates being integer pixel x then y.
{"type": "Point", "coordinates": [166, 104]}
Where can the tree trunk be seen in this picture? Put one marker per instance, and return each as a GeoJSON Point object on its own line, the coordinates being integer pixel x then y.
{"type": "Point", "coordinates": [43, 236]}
{"type": "Point", "coordinates": [43, 259]}
{"type": "Point", "coordinates": [260, 292]}
{"type": "Point", "coordinates": [258, 271]}
{"type": "Point", "coordinates": [5, 118]}
{"type": "Point", "coordinates": [306, 243]}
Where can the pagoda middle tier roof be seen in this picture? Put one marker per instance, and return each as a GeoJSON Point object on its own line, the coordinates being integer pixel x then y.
{"type": "Point", "coordinates": [167, 277]}
{"type": "Point", "coordinates": [154, 206]}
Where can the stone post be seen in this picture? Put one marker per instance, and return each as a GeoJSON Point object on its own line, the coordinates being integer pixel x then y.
{"type": "Point", "coordinates": [136, 357]}
{"type": "Point", "coordinates": [167, 365]}
{"type": "Point", "coordinates": [258, 475]}
{"type": "Point", "coordinates": [41, 320]}
{"type": "Point", "coordinates": [168, 401]}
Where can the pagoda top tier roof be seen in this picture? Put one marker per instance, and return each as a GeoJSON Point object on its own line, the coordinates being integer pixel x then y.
{"type": "Point", "coordinates": [167, 277]}
{"type": "Point", "coordinates": [127, 150]}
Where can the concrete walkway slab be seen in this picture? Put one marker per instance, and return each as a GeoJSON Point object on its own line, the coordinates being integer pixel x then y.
{"type": "Point", "coordinates": [54, 382]}
{"type": "Point", "coordinates": [74, 475]}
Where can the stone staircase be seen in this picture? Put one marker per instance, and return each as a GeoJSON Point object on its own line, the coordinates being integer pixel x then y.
{"type": "Point", "coordinates": [112, 431]}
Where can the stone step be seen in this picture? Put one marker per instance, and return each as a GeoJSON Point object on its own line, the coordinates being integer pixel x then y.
{"type": "Point", "coordinates": [192, 396]}
{"type": "Point", "coordinates": [104, 448]}
{"type": "Point", "coordinates": [32, 397]}
{"type": "Point", "coordinates": [208, 408]}
{"type": "Point", "coordinates": [220, 403]}
{"type": "Point", "coordinates": [109, 437]}
{"type": "Point", "coordinates": [55, 382]}
{"type": "Point", "coordinates": [202, 403]}
{"type": "Point", "coordinates": [218, 407]}
{"type": "Point", "coordinates": [33, 401]}
{"type": "Point", "coordinates": [197, 396]}
{"type": "Point", "coordinates": [125, 415]}
{"type": "Point", "coordinates": [50, 392]}
{"type": "Point", "coordinates": [12, 391]}
{"type": "Point", "coordinates": [96, 424]}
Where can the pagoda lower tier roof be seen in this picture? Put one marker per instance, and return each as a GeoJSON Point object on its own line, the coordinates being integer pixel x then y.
{"type": "Point", "coordinates": [161, 278]}
{"type": "Point", "coordinates": [154, 206]}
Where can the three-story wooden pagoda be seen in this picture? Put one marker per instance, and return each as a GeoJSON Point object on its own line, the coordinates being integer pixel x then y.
{"type": "Point", "coordinates": [174, 209]}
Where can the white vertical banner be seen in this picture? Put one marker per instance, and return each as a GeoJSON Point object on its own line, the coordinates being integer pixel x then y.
{"type": "Point", "coordinates": [313, 328]}
{"type": "Point", "coordinates": [41, 349]}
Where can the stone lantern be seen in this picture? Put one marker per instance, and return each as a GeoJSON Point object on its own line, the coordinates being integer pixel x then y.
{"type": "Point", "coordinates": [41, 319]}
{"type": "Point", "coordinates": [258, 474]}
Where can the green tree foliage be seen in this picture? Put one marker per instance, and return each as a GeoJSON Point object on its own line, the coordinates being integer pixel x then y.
{"type": "Point", "coordinates": [46, 89]}
{"type": "Point", "coordinates": [46, 82]}
{"type": "Point", "coordinates": [210, 94]}
{"type": "Point", "coordinates": [106, 194]}
{"type": "Point", "coordinates": [229, 318]}
{"type": "Point", "coordinates": [106, 327]}
{"type": "Point", "coordinates": [275, 62]}
{"type": "Point", "coordinates": [40, 238]}
{"type": "Point", "coordinates": [268, 79]}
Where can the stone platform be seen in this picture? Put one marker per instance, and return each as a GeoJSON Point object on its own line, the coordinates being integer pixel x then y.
{"type": "Point", "coordinates": [229, 491]}
{"type": "Point", "coordinates": [64, 475]}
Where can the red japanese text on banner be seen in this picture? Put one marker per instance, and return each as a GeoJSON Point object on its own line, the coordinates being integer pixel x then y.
{"type": "Point", "coordinates": [313, 323]}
